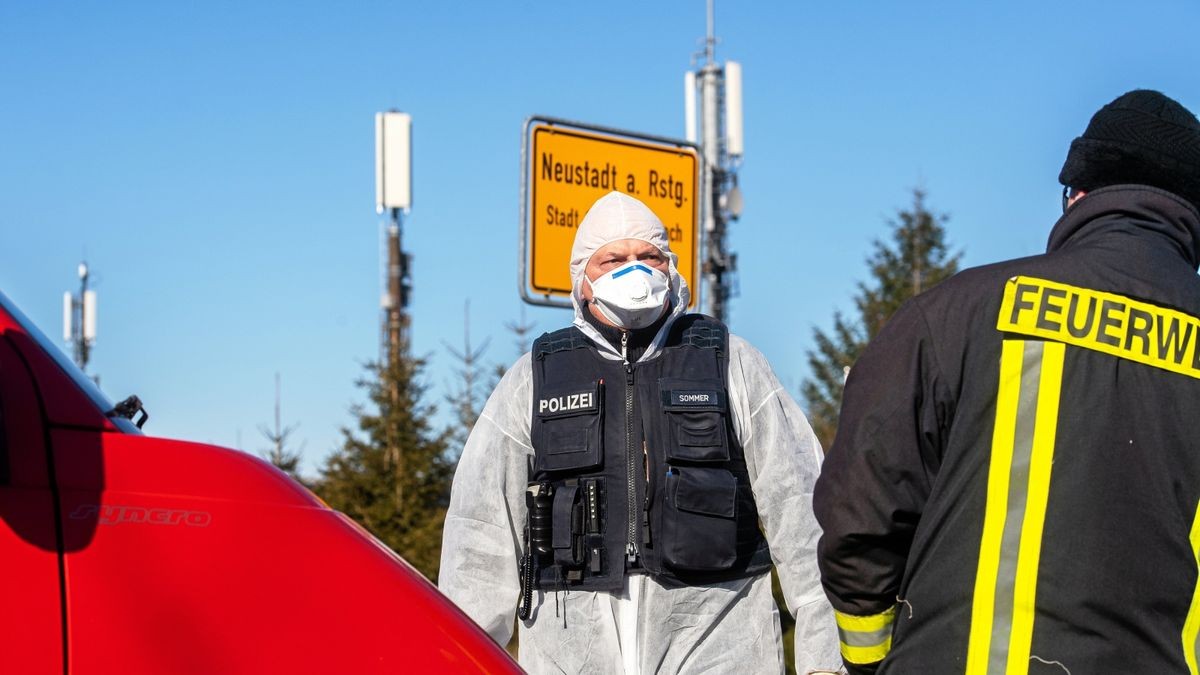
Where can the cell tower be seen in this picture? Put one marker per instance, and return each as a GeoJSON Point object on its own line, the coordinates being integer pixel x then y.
{"type": "Point", "coordinates": [720, 138]}
{"type": "Point", "coordinates": [79, 319]}
{"type": "Point", "coordinates": [393, 195]}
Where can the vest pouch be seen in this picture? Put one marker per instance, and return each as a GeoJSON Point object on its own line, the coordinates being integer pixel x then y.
{"type": "Point", "coordinates": [699, 530]}
{"type": "Point", "coordinates": [696, 423]}
{"type": "Point", "coordinates": [568, 429]}
{"type": "Point", "coordinates": [567, 525]}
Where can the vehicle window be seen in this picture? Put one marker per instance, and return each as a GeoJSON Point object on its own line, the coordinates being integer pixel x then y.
{"type": "Point", "coordinates": [83, 381]}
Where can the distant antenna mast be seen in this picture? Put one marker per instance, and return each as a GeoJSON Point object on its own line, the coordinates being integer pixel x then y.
{"type": "Point", "coordinates": [393, 195]}
{"type": "Point", "coordinates": [79, 319]}
{"type": "Point", "coordinates": [720, 138]}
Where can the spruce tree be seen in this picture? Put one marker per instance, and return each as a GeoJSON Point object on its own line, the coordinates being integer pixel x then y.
{"type": "Point", "coordinates": [391, 473]}
{"type": "Point", "coordinates": [280, 452]}
{"type": "Point", "coordinates": [467, 396]}
{"type": "Point", "coordinates": [914, 259]}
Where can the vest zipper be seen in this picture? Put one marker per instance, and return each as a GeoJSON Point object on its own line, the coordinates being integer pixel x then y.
{"type": "Point", "coordinates": [631, 552]}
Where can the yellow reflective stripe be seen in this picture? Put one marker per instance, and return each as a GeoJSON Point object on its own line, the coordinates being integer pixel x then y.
{"type": "Point", "coordinates": [865, 624]}
{"type": "Point", "coordinates": [864, 655]}
{"type": "Point", "coordinates": [1019, 471]}
{"type": "Point", "coordinates": [1044, 432]}
{"type": "Point", "coordinates": [865, 639]}
{"type": "Point", "coordinates": [984, 602]}
{"type": "Point", "coordinates": [1191, 627]}
{"type": "Point", "coordinates": [1104, 322]}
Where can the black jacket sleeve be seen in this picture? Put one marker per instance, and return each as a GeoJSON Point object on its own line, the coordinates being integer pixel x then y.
{"type": "Point", "coordinates": [877, 476]}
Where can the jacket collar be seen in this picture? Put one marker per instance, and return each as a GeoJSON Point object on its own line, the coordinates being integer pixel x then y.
{"type": "Point", "coordinates": [1128, 208]}
{"type": "Point", "coordinates": [639, 338]}
{"type": "Point", "coordinates": [611, 350]}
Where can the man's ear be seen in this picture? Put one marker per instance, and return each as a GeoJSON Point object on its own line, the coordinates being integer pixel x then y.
{"type": "Point", "coordinates": [1079, 194]}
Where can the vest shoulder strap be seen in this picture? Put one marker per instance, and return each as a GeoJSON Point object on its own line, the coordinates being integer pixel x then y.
{"type": "Point", "coordinates": [701, 332]}
{"type": "Point", "coordinates": [561, 340]}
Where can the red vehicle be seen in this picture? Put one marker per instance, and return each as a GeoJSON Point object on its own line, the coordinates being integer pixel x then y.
{"type": "Point", "coordinates": [122, 553]}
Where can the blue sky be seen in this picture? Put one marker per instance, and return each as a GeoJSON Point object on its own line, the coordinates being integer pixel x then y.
{"type": "Point", "coordinates": [214, 164]}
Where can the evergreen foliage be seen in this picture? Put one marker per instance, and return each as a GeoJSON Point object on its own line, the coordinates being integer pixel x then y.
{"type": "Point", "coordinates": [475, 379]}
{"type": "Point", "coordinates": [466, 398]}
{"type": "Point", "coordinates": [915, 259]}
{"type": "Point", "coordinates": [522, 332]}
{"type": "Point", "coordinates": [280, 453]}
{"type": "Point", "coordinates": [284, 459]}
{"type": "Point", "coordinates": [392, 474]}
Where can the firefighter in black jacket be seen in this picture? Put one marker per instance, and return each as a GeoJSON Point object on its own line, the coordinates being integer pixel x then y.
{"type": "Point", "coordinates": [1015, 479]}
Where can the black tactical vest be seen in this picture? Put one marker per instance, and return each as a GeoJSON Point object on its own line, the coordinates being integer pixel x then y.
{"type": "Point", "coordinates": [638, 466]}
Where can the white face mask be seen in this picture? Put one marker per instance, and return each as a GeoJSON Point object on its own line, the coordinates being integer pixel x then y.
{"type": "Point", "coordinates": [632, 295]}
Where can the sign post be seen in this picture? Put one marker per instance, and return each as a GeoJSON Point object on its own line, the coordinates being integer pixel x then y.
{"type": "Point", "coordinates": [567, 166]}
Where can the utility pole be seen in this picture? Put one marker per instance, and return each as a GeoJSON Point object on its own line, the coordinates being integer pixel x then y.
{"type": "Point", "coordinates": [79, 319]}
{"type": "Point", "coordinates": [720, 138]}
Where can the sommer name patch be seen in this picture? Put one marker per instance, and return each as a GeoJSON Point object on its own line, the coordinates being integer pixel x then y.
{"type": "Point", "coordinates": [1104, 322]}
{"type": "Point", "coordinates": [705, 397]}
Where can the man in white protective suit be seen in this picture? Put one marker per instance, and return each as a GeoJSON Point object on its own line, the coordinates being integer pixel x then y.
{"type": "Point", "coordinates": [631, 480]}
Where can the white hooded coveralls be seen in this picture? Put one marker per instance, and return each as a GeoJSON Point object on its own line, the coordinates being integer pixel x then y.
{"type": "Point", "coordinates": [725, 627]}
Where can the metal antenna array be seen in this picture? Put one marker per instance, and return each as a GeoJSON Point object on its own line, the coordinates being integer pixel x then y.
{"type": "Point", "coordinates": [79, 319]}
{"type": "Point", "coordinates": [393, 194]}
{"type": "Point", "coordinates": [720, 140]}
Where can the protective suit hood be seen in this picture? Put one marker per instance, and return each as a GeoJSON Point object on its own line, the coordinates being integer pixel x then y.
{"type": "Point", "coordinates": [613, 217]}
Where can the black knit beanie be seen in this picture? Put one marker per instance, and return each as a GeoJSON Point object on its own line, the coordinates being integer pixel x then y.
{"type": "Point", "coordinates": [1141, 137]}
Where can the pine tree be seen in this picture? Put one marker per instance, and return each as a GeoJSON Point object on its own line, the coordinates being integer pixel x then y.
{"type": "Point", "coordinates": [522, 330]}
{"type": "Point", "coordinates": [280, 453]}
{"type": "Point", "coordinates": [914, 260]}
{"type": "Point", "coordinates": [392, 474]}
{"type": "Point", "coordinates": [522, 333]}
{"type": "Point", "coordinates": [466, 398]}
